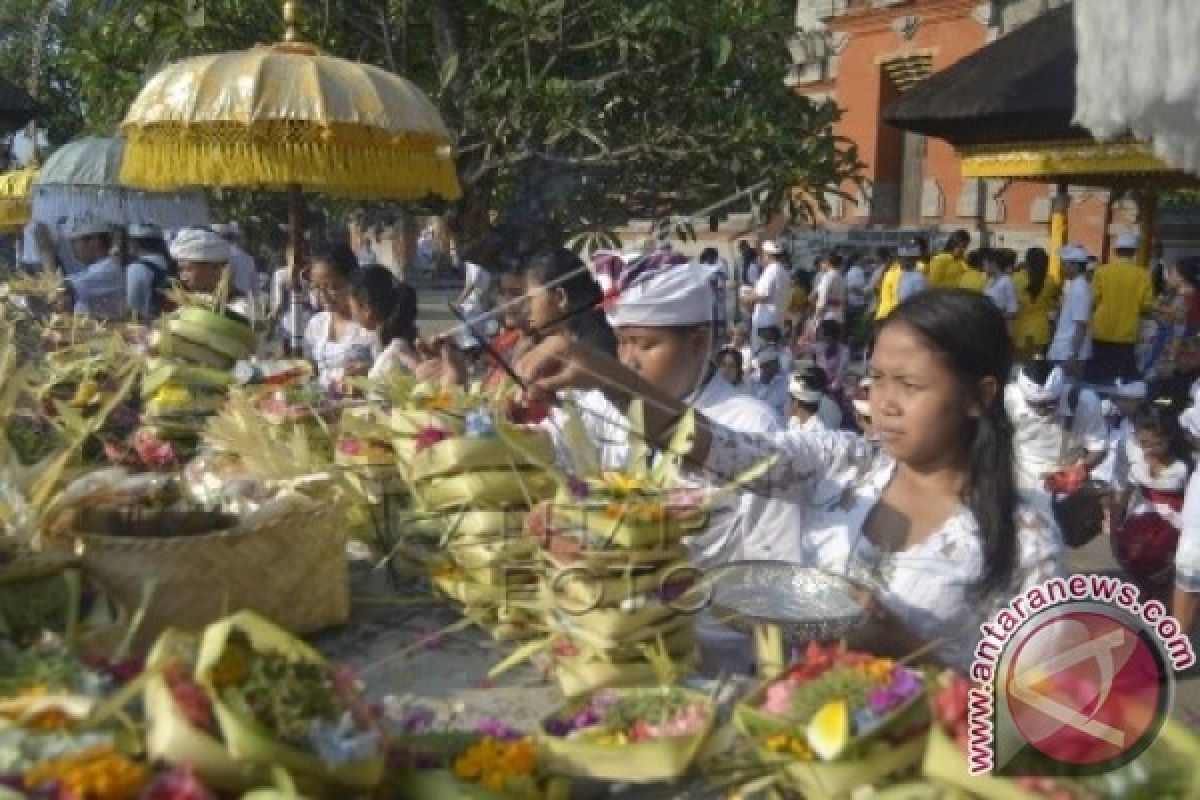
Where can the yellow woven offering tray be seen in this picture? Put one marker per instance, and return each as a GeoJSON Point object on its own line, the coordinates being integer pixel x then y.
{"type": "Point", "coordinates": [651, 761]}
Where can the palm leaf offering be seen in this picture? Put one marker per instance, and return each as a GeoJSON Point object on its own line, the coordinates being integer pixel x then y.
{"type": "Point", "coordinates": [468, 460]}
{"type": "Point", "coordinates": [246, 696]}
{"type": "Point", "coordinates": [189, 378]}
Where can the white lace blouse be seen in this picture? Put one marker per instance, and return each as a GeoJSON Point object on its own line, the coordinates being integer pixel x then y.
{"type": "Point", "coordinates": [928, 586]}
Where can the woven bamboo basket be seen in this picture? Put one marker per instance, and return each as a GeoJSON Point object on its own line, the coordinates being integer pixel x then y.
{"type": "Point", "coordinates": [285, 561]}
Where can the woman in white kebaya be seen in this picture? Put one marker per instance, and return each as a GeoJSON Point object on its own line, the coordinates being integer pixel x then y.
{"type": "Point", "coordinates": [336, 344]}
{"type": "Point", "coordinates": [931, 523]}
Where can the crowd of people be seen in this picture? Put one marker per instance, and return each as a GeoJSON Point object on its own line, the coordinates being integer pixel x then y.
{"type": "Point", "coordinates": [943, 423]}
{"type": "Point", "coordinates": [1099, 398]}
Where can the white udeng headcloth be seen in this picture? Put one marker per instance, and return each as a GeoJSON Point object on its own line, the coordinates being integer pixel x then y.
{"type": "Point", "coordinates": [199, 244]}
{"type": "Point", "coordinates": [673, 296]}
{"type": "Point", "coordinates": [1042, 394]}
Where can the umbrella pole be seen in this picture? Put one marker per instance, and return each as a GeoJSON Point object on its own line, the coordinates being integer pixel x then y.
{"type": "Point", "coordinates": [296, 242]}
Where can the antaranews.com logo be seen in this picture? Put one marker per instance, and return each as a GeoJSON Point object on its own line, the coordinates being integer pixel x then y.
{"type": "Point", "coordinates": [1075, 675]}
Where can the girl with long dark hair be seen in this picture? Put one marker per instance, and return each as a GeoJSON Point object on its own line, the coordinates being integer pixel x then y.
{"type": "Point", "coordinates": [562, 294]}
{"type": "Point", "coordinates": [387, 307]}
{"type": "Point", "coordinates": [932, 523]}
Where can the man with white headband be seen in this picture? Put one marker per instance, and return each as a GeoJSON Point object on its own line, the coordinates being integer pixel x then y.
{"type": "Point", "coordinates": [1071, 346]}
{"type": "Point", "coordinates": [664, 325]}
{"type": "Point", "coordinates": [1054, 427]}
{"type": "Point", "coordinates": [769, 384]}
{"type": "Point", "coordinates": [203, 258]}
{"type": "Point", "coordinates": [1125, 399]}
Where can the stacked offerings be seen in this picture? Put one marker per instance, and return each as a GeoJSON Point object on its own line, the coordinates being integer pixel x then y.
{"type": "Point", "coordinates": [617, 588]}
{"type": "Point", "coordinates": [190, 377]}
{"type": "Point", "coordinates": [480, 475]}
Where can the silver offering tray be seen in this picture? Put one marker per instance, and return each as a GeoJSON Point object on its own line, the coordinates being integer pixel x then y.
{"type": "Point", "coordinates": [805, 603]}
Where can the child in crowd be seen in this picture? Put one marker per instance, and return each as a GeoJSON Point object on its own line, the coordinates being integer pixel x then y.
{"type": "Point", "coordinates": [386, 307]}
{"type": "Point", "coordinates": [1151, 481]}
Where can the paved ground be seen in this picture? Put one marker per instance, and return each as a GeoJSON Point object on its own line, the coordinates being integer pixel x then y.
{"type": "Point", "coordinates": [463, 665]}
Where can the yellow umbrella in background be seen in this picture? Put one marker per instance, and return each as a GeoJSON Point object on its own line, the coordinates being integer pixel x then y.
{"type": "Point", "coordinates": [16, 187]}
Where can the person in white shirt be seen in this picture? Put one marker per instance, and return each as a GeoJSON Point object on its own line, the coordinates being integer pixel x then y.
{"type": "Point", "coordinates": [739, 339]}
{"type": "Point", "coordinates": [337, 345]}
{"type": "Point", "coordinates": [1119, 410]}
{"type": "Point", "coordinates": [768, 298]}
{"type": "Point", "coordinates": [1054, 427]}
{"type": "Point", "coordinates": [770, 384]}
{"type": "Point", "coordinates": [999, 287]}
{"type": "Point", "coordinates": [1071, 346]}
{"type": "Point", "coordinates": [804, 405]}
{"type": "Point", "coordinates": [1151, 492]}
{"type": "Point", "coordinates": [291, 329]}
{"type": "Point", "coordinates": [387, 308]}
{"type": "Point", "coordinates": [472, 301]}
{"type": "Point", "coordinates": [772, 336]}
{"type": "Point", "coordinates": [911, 280]}
{"type": "Point", "coordinates": [98, 290]}
{"type": "Point", "coordinates": [829, 292]}
{"type": "Point", "coordinates": [814, 378]}
{"type": "Point", "coordinates": [856, 287]}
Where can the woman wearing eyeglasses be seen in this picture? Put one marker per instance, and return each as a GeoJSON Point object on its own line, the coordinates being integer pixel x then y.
{"type": "Point", "coordinates": [333, 341]}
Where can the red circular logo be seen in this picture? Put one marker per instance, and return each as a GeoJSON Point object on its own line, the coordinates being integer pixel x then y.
{"type": "Point", "coordinates": [1085, 688]}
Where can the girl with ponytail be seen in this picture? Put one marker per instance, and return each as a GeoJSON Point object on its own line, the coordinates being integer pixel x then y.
{"type": "Point", "coordinates": [386, 307]}
{"type": "Point", "coordinates": [931, 524]}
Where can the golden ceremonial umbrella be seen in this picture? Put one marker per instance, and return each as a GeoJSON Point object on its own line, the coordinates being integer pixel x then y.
{"type": "Point", "coordinates": [287, 117]}
{"type": "Point", "coordinates": [15, 190]}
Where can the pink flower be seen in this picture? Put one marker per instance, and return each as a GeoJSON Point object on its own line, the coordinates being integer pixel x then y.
{"type": "Point", "coordinates": [428, 437]}
{"type": "Point", "coordinates": [154, 452]}
{"type": "Point", "coordinates": [178, 784]}
{"type": "Point", "coordinates": [779, 698]}
{"type": "Point", "coordinates": [349, 447]}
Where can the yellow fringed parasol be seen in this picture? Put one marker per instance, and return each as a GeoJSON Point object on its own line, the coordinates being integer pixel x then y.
{"type": "Point", "coordinates": [286, 116]}
{"type": "Point", "coordinates": [15, 190]}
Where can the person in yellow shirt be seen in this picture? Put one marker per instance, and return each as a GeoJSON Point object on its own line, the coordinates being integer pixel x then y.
{"type": "Point", "coordinates": [947, 267]}
{"type": "Point", "coordinates": [1121, 293]}
{"type": "Point", "coordinates": [973, 277]}
{"type": "Point", "coordinates": [889, 291]}
{"type": "Point", "coordinates": [1037, 294]}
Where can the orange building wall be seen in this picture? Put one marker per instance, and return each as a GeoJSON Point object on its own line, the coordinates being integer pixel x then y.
{"type": "Point", "coordinates": [947, 32]}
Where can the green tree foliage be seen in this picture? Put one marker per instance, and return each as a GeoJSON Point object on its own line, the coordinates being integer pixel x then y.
{"type": "Point", "coordinates": [571, 116]}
